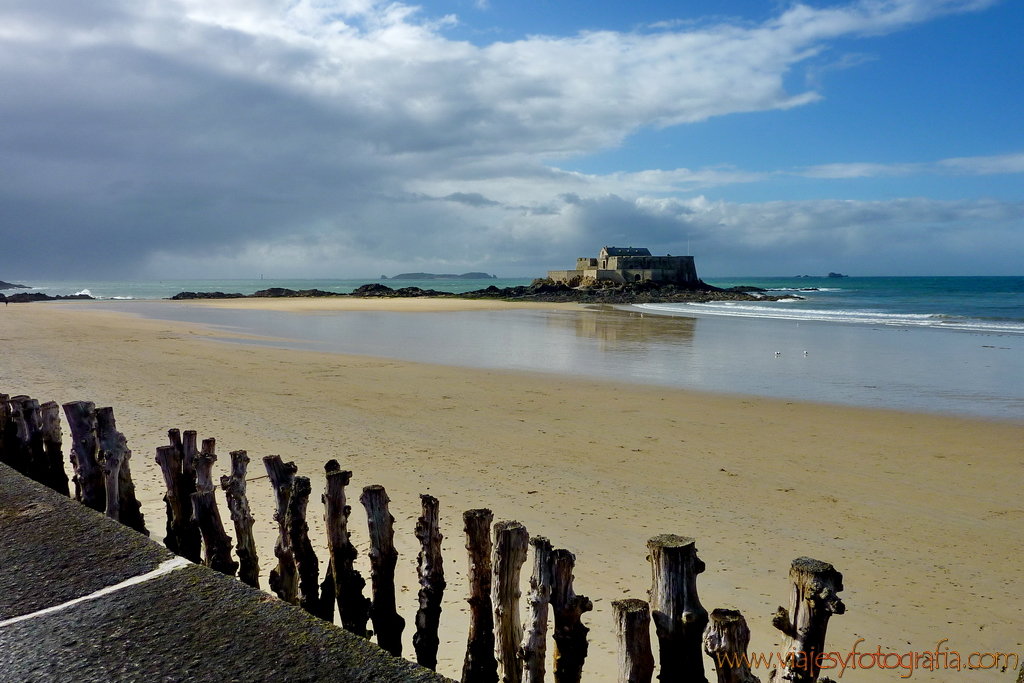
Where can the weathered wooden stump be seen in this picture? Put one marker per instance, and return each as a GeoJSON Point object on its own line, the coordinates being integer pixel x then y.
{"type": "Point", "coordinates": [480, 665]}
{"type": "Point", "coordinates": [383, 557]}
{"type": "Point", "coordinates": [216, 542]}
{"type": "Point", "coordinates": [183, 535]}
{"type": "Point", "coordinates": [284, 579]}
{"type": "Point", "coordinates": [633, 628]}
{"type": "Point", "coordinates": [56, 478]}
{"type": "Point", "coordinates": [353, 607]}
{"type": "Point", "coordinates": [6, 428]}
{"type": "Point", "coordinates": [189, 450]}
{"type": "Point", "coordinates": [306, 563]}
{"type": "Point", "coordinates": [430, 570]}
{"type": "Point", "coordinates": [238, 503]}
{"type": "Point", "coordinates": [679, 618]}
{"type": "Point", "coordinates": [88, 479]}
{"type": "Point", "coordinates": [21, 453]}
{"type": "Point", "coordinates": [813, 600]}
{"type": "Point", "coordinates": [570, 635]}
{"type": "Point", "coordinates": [725, 641]}
{"type": "Point", "coordinates": [113, 447]}
{"type": "Point", "coordinates": [534, 646]}
{"type": "Point", "coordinates": [510, 544]}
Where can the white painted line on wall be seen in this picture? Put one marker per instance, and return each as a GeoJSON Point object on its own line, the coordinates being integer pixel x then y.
{"type": "Point", "coordinates": [164, 568]}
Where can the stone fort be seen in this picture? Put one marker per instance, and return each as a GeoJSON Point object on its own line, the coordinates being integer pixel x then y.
{"type": "Point", "coordinates": [630, 264]}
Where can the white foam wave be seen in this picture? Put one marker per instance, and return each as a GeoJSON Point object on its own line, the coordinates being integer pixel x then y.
{"type": "Point", "coordinates": [863, 317]}
{"type": "Point", "coordinates": [123, 298]}
{"type": "Point", "coordinates": [84, 291]}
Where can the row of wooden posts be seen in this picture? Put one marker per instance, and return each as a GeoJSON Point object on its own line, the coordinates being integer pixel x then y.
{"type": "Point", "coordinates": [499, 646]}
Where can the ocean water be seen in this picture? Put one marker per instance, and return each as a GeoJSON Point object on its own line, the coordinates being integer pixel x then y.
{"type": "Point", "coordinates": [935, 344]}
{"type": "Point", "coordinates": [974, 304]}
{"type": "Point", "coordinates": [164, 289]}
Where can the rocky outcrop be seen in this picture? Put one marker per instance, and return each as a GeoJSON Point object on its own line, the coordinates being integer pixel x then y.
{"type": "Point", "coordinates": [180, 296]}
{"type": "Point", "coordinates": [11, 285]}
{"type": "Point", "coordinates": [545, 290]}
{"type": "Point", "coordinates": [24, 298]}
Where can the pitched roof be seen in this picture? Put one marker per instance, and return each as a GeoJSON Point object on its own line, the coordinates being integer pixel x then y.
{"type": "Point", "coordinates": [627, 251]}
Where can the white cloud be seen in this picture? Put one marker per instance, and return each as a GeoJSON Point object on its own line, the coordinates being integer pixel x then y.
{"type": "Point", "coordinates": [249, 132]}
{"type": "Point", "coordinates": [990, 165]}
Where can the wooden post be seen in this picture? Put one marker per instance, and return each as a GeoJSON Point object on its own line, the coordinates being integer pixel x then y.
{"type": "Point", "coordinates": [190, 539]}
{"type": "Point", "coordinates": [353, 607]}
{"type": "Point", "coordinates": [570, 634]}
{"type": "Point", "coordinates": [328, 597]}
{"type": "Point", "coordinates": [113, 445]}
{"type": "Point", "coordinates": [238, 503]}
{"type": "Point", "coordinates": [189, 450]}
{"type": "Point", "coordinates": [510, 543]}
{"type": "Point", "coordinates": [306, 563]}
{"type": "Point", "coordinates": [480, 666]}
{"type": "Point", "coordinates": [679, 618]}
{"type": "Point", "coordinates": [633, 626]}
{"type": "Point", "coordinates": [183, 535]}
{"type": "Point", "coordinates": [20, 454]}
{"type": "Point", "coordinates": [30, 455]}
{"type": "Point", "coordinates": [88, 479]}
{"type": "Point", "coordinates": [725, 641]}
{"type": "Point", "coordinates": [383, 558]}
{"type": "Point", "coordinates": [56, 478]}
{"type": "Point", "coordinates": [534, 647]}
{"type": "Point", "coordinates": [216, 542]}
{"type": "Point", "coordinates": [284, 579]}
{"type": "Point", "coordinates": [430, 569]}
{"type": "Point", "coordinates": [170, 467]}
{"type": "Point", "coordinates": [813, 600]}
{"type": "Point", "coordinates": [6, 428]}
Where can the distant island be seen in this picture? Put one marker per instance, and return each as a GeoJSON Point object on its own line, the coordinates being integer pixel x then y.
{"type": "Point", "coordinates": [442, 276]}
{"type": "Point", "coordinates": [829, 275]}
{"type": "Point", "coordinates": [11, 285]}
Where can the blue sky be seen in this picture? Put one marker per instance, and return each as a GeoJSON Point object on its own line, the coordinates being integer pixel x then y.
{"type": "Point", "coordinates": [349, 138]}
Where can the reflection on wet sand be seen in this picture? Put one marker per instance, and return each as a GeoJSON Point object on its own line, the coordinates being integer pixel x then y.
{"type": "Point", "coordinates": [622, 330]}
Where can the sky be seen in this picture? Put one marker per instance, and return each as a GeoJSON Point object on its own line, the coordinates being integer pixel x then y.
{"type": "Point", "coordinates": [353, 138]}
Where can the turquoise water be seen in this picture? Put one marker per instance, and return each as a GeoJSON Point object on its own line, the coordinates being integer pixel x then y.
{"type": "Point", "coordinates": [164, 289]}
{"type": "Point", "coordinates": [935, 344]}
{"type": "Point", "coordinates": [917, 368]}
{"type": "Point", "coordinates": [971, 304]}
{"type": "Point", "coordinates": [975, 304]}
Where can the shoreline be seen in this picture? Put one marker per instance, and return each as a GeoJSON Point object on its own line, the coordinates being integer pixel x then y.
{"type": "Point", "coordinates": [889, 367]}
{"type": "Point", "coordinates": [920, 512]}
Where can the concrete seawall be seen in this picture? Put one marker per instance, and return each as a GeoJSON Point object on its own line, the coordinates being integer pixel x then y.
{"type": "Point", "coordinates": [165, 619]}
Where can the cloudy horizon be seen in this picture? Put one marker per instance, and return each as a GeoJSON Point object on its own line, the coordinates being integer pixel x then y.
{"type": "Point", "coordinates": [350, 138]}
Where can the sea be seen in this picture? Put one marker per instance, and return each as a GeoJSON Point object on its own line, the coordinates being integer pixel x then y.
{"type": "Point", "coordinates": [950, 345]}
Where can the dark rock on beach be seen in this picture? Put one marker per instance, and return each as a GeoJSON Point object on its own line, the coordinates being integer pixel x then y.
{"type": "Point", "coordinates": [611, 293]}
{"type": "Point", "coordinates": [180, 296]}
{"type": "Point", "coordinates": [375, 289]}
{"type": "Point", "coordinates": [11, 285]}
{"type": "Point", "coordinates": [24, 298]}
{"type": "Point", "coordinates": [279, 292]}
{"type": "Point", "coordinates": [539, 290]}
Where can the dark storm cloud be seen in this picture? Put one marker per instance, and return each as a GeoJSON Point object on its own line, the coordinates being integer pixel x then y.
{"type": "Point", "coordinates": [223, 137]}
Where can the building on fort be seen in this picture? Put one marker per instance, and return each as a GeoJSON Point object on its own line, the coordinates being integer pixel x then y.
{"type": "Point", "coordinates": [630, 264]}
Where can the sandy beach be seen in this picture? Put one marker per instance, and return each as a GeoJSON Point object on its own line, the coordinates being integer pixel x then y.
{"type": "Point", "coordinates": [921, 513]}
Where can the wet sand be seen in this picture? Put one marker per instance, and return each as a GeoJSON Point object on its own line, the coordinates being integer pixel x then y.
{"type": "Point", "coordinates": [921, 513]}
